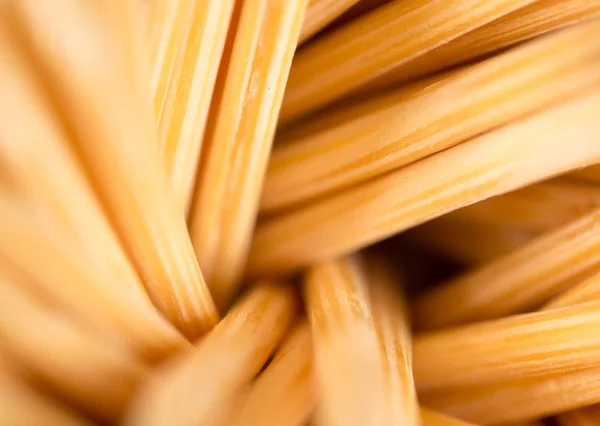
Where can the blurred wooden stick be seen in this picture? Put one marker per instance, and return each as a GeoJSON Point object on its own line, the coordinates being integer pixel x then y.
{"type": "Point", "coordinates": [89, 81]}
{"type": "Point", "coordinates": [59, 273]}
{"type": "Point", "coordinates": [284, 394]}
{"type": "Point", "coordinates": [191, 389]}
{"type": "Point", "coordinates": [22, 405]}
{"type": "Point", "coordinates": [95, 374]}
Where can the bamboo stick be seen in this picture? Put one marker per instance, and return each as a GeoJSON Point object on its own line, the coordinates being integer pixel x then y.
{"type": "Point", "coordinates": [283, 394]}
{"type": "Point", "coordinates": [537, 344]}
{"type": "Point", "coordinates": [183, 120]}
{"type": "Point", "coordinates": [320, 13]}
{"type": "Point", "coordinates": [58, 272]}
{"type": "Point", "coordinates": [464, 242]}
{"type": "Point", "coordinates": [520, 25]}
{"type": "Point", "coordinates": [229, 184]}
{"type": "Point", "coordinates": [96, 375]}
{"type": "Point", "coordinates": [415, 125]}
{"type": "Point", "coordinates": [503, 160]}
{"type": "Point", "coordinates": [520, 400]}
{"type": "Point", "coordinates": [191, 389]}
{"type": "Point", "coordinates": [372, 44]}
{"type": "Point", "coordinates": [562, 392]}
{"type": "Point", "coordinates": [90, 85]}
{"type": "Point", "coordinates": [345, 111]}
{"type": "Point", "coordinates": [518, 281]}
{"type": "Point", "coordinates": [22, 405]}
{"type": "Point", "coordinates": [170, 25]}
{"type": "Point", "coordinates": [350, 327]}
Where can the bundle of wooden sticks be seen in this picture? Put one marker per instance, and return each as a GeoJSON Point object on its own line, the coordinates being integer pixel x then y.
{"type": "Point", "coordinates": [299, 212]}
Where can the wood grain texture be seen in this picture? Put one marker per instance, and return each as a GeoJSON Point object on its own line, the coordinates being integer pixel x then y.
{"type": "Point", "coordinates": [355, 321]}
{"type": "Point", "coordinates": [538, 344]}
{"type": "Point", "coordinates": [521, 400]}
{"type": "Point", "coordinates": [184, 117]}
{"type": "Point", "coordinates": [522, 24]}
{"type": "Point", "coordinates": [503, 160]}
{"type": "Point", "coordinates": [413, 125]}
{"type": "Point", "coordinates": [169, 26]}
{"type": "Point", "coordinates": [88, 79]}
{"type": "Point", "coordinates": [345, 110]}
{"type": "Point", "coordinates": [83, 368]}
{"type": "Point", "coordinates": [232, 173]}
{"type": "Point", "coordinates": [372, 44]}
{"type": "Point", "coordinates": [192, 388]}
{"type": "Point", "coordinates": [572, 389]}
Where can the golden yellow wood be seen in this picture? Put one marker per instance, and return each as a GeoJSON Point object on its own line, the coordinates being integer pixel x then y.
{"type": "Point", "coordinates": [514, 156]}
{"type": "Point", "coordinates": [530, 21]}
{"type": "Point", "coordinates": [183, 119]}
{"type": "Point", "coordinates": [113, 133]}
{"type": "Point", "coordinates": [58, 272]}
{"type": "Point", "coordinates": [519, 281]}
{"type": "Point", "coordinates": [233, 166]}
{"type": "Point", "coordinates": [320, 13]}
{"type": "Point", "coordinates": [391, 35]}
{"type": "Point", "coordinates": [519, 400]}
{"type": "Point", "coordinates": [356, 320]}
{"type": "Point", "coordinates": [22, 405]}
{"type": "Point", "coordinates": [415, 124]}
{"type": "Point", "coordinates": [192, 388]}
{"type": "Point", "coordinates": [69, 359]}
{"type": "Point", "coordinates": [538, 344]}
{"type": "Point", "coordinates": [284, 394]}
